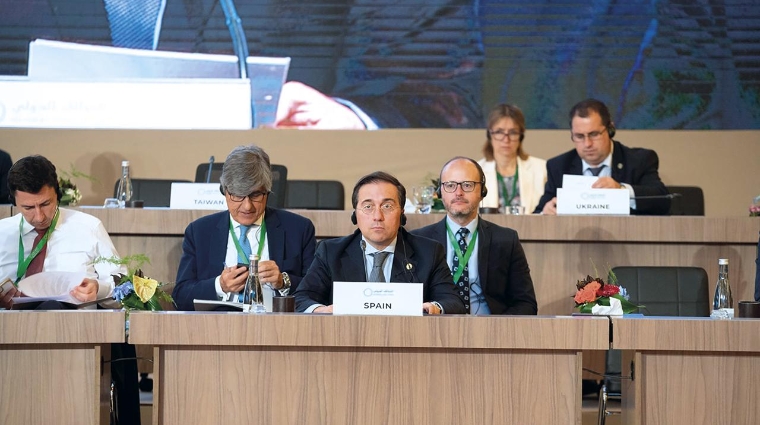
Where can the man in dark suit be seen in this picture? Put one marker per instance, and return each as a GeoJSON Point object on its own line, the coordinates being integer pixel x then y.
{"type": "Point", "coordinates": [217, 247]}
{"type": "Point", "coordinates": [393, 254]}
{"type": "Point", "coordinates": [488, 262]}
{"type": "Point", "coordinates": [616, 165]}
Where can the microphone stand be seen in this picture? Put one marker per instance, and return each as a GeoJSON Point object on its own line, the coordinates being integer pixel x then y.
{"type": "Point", "coordinates": [239, 44]}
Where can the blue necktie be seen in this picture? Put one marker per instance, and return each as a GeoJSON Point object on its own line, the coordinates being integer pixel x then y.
{"type": "Point", "coordinates": [596, 170]}
{"type": "Point", "coordinates": [134, 23]}
{"type": "Point", "coordinates": [245, 245]}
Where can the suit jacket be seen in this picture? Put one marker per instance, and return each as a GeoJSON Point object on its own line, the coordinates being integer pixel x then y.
{"type": "Point", "coordinates": [634, 166]}
{"type": "Point", "coordinates": [5, 166]}
{"type": "Point", "coordinates": [531, 179]}
{"type": "Point", "coordinates": [502, 267]}
{"type": "Point", "coordinates": [291, 245]}
{"type": "Point", "coordinates": [342, 260]}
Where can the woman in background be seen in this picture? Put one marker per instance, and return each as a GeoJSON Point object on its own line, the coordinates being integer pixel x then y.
{"type": "Point", "coordinates": [513, 177]}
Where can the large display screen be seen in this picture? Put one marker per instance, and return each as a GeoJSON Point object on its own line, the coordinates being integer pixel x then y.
{"type": "Point", "coordinates": [443, 64]}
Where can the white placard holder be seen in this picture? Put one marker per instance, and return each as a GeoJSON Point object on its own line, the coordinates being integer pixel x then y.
{"type": "Point", "coordinates": [196, 196]}
{"type": "Point", "coordinates": [377, 298]}
{"type": "Point", "coordinates": [593, 202]}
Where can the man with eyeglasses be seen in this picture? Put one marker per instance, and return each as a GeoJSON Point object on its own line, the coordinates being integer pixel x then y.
{"type": "Point", "coordinates": [488, 262]}
{"type": "Point", "coordinates": [616, 165]}
{"type": "Point", "coordinates": [380, 250]}
{"type": "Point", "coordinates": [216, 248]}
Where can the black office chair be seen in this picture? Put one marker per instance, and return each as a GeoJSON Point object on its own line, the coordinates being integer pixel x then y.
{"type": "Point", "coordinates": [691, 201]}
{"type": "Point", "coordinates": [315, 195]}
{"type": "Point", "coordinates": [279, 176]}
{"type": "Point", "coordinates": [153, 192]}
{"type": "Point", "coordinates": [663, 291]}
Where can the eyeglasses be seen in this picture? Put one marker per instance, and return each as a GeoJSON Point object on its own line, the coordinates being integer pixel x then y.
{"type": "Point", "coordinates": [593, 136]}
{"type": "Point", "coordinates": [500, 135]}
{"type": "Point", "coordinates": [256, 196]}
{"type": "Point", "coordinates": [451, 187]}
{"type": "Point", "coordinates": [385, 208]}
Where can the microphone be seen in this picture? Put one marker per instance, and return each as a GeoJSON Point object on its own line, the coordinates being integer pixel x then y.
{"type": "Point", "coordinates": [210, 167]}
{"type": "Point", "coordinates": [668, 196]}
{"type": "Point", "coordinates": [408, 266]}
{"type": "Point", "coordinates": [364, 259]}
{"type": "Point", "coordinates": [239, 44]}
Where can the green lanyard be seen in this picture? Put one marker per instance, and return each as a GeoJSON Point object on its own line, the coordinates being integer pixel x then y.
{"type": "Point", "coordinates": [464, 259]}
{"type": "Point", "coordinates": [507, 199]}
{"type": "Point", "coordinates": [235, 239]}
{"type": "Point", "coordinates": [22, 263]}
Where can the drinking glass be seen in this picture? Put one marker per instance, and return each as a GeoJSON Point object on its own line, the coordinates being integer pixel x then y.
{"type": "Point", "coordinates": [423, 198]}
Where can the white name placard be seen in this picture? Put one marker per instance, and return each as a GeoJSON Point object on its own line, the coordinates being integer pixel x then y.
{"type": "Point", "coordinates": [377, 298]}
{"type": "Point", "coordinates": [197, 196]}
{"type": "Point", "coordinates": [593, 202]}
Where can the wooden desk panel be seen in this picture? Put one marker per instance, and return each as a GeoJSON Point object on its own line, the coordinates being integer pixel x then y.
{"type": "Point", "coordinates": [293, 369]}
{"type": "Point", "coordinates": [689, 371]}
{"type": "Point", "coordinates": [51, 369]}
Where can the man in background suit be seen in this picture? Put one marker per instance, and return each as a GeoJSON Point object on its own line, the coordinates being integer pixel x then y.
{"type": "Point", "coordinates": [216, 246]}
{"type": "Point", "coordinates": [489, 265]}
{"type": "Point", "coordinates": [393, 254]}
{"type": "Point", "coordinates": [616, 165]}
{"type": "Point", "coordinates": [5, 167]}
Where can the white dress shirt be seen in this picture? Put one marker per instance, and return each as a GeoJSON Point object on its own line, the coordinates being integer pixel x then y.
{"type": "Point", "coordinates": [76, 241]}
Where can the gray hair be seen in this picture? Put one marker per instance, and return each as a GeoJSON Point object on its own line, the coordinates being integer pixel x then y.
{"type": "Point", "coordinates": [246, 169]}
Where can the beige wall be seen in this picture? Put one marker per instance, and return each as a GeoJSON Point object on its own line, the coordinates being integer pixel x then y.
{"type": "Point", "coordinates": [726, 164]}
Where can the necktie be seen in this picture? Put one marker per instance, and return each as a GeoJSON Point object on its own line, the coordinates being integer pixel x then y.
{"type": "Point", "coordinates": [464, 279]}
{"type": "Point", "coordinates": [245, 245]}
{"type": "Point", "coordinates": [134, 22]}
{"type": "Point", "coordinates": [597, 170]}
{"type": "Point", "coordinates": [37, 262]}
{"type": "Point", "coordinates": [377, 275]}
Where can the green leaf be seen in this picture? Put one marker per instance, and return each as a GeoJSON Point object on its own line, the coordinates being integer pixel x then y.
{"type": "Point", "coordinates": [628, 307]}
{"type": "Point", "coordinates": [133, 301]}
{"type": "Point", "coordinates": [586, 308]}
{"type": "Point", "coordinates": [153, 304]}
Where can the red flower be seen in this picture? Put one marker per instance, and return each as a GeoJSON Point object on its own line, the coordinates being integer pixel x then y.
{"type": "Point", "coordinates": [608, 290]}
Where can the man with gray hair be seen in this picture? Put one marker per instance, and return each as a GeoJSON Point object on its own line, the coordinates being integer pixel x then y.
{"type": "Point", "coordinates": [216, 247]}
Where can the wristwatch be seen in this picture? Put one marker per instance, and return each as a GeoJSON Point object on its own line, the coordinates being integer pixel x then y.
{"type": "Point", "coordinates": [285, 284]}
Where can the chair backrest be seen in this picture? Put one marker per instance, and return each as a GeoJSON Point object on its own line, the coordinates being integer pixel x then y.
{"type": "Point", "coordinates": [153, 192]}
{"type": "Point", "coordinates": [201, 172]}
{"type": "Point", "coordinates": [691, 201]}
{"type": "Point", "coordinates": [279, 176]}
{"type": "Point", "coordinates": [315, 194]}
{"type": "Point", "coordinates": [667, 291]}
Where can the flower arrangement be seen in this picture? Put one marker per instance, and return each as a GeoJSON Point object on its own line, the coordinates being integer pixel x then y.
{"type": "Point", "coordinates": [133, 290]}
{"type": "Point", "coordinates": [71, 195]}
{"type": "Point", "coordinates": [754, 209]}
{"type": "Point", "coordinates": [436, 183]}
{"type": "Point", "coordinates": [593, 292]}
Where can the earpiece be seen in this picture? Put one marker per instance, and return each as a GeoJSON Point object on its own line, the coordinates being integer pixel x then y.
{"type": "Point", "coordinates": [221, 188]}
{"type": "Point", "coordinates": [611, 130]}
{"type": "Point", "coordinates": [353, 218]}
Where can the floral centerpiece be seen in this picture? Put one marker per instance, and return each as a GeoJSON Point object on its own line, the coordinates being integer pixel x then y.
{"type": "Point", "coordinates": [134, 290]}
{"type": "Point", "coordinates": [436, 183]}
{"type": "Point", "coordinates": [71, 194]}
{"type": "Point", "coordinates": [754, 209]}
{"type": "Point", "coordinates": [597, 297]}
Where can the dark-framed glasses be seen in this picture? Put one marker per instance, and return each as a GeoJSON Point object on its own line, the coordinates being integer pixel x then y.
{"type": "Point", "coordinates": [451, 187]}
{"type": "Point", "coordinates": [593, 136]}
{"type": "Point", "coordinates": [256, 196]}
{"type": "Point", "coordinates": [500, 135]}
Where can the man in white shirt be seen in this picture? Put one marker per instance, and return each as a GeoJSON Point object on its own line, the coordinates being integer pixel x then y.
{"type": "Point", "coordinates": [44, 237]}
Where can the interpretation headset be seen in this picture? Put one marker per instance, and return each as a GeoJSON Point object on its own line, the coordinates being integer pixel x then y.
{"type": "Point", "coordinates": [46, 164]}
{"type": "Point", "coordinates": [611, 130]}
{"type": "Point", "coordinates": [483, 188]}
{"type": "Point", "coordinates": [378, 176]}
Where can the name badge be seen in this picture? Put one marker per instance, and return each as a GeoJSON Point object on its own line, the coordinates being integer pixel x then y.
{"type": "Point", "coordinates": [377, 298]}
{"type": "Point", "coordinates": [593, 202]}
{"type": "Point", "coordinates": [196, 196]}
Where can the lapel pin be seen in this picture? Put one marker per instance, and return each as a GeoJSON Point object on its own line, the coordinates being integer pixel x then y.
{"type": "Point", "coordinates": [620, 165]}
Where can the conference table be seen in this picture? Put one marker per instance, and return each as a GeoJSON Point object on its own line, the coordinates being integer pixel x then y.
{"type": "Point", "coordinates": [689, 371]}
{"type": "Point", "coordinates": [51, 365]}
{"type": "Point", "coordinates": [560, 250]}
{"type": "Point", "coordinates": [237, 368]}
